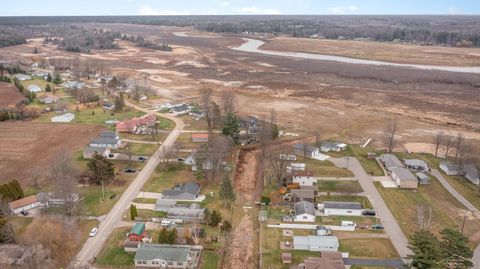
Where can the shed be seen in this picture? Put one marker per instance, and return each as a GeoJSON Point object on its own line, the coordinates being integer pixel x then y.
{"type": "Point", "coordinates": [422, 178]}
{"type": "Point", "coordinates": [200, 138]}
{"type": "Point", "coordinates": [34, 88]}
{"type": "Point", "coordinates": [449, 168]}
{"type": "Point", "coordinates": [286, 258]}
{"type": "Point", "coordinates": [416, 164]}
{"type": "Point", "coordinates": [342, 208]}
{"type": "Point", "coordinates": [304, 211]}
{"type": "Point", "coordinates": [404, 178]}
{"type": "Point", "coordinates": [137, 233]}
{"type": "Point", "coordinates": [67, 117]}
{"type": "Point", "coordinates": [24, 204]}
{"type": "Point", "coordinates": [315, 243]}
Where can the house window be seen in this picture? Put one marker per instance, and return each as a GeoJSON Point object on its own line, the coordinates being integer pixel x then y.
{"type": "Point", "coordinates": [179, 263]}
{"type": "Point", "coordinates": [170, 263]}
{"type": "Point", "coordinates": [349, 211]}
{"type": "Point", "coordinates": [305, 217]}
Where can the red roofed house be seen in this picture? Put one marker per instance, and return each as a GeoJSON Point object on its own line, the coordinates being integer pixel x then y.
{"type": "Point", "coordinates": [128, 126]}
{"type": "Point", "coordinates": [200, 138]}
{"type": "Point", "coordinates": [304, 178]}
{"type": "Point", "coordinates": [24, 204]}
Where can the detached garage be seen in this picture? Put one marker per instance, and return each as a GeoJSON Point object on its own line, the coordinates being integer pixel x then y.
{"type": "Point", "coordinates": [24, 204]}
{"type": "Point", "coordinates": [342, 208]}
{"type": "Point", "coordinates": [67, 117]}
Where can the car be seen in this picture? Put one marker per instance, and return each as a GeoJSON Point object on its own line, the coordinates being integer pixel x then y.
{"type": "Point", "coordinates": [24, 213]}
{"type": "Point", "coordinates": [130, 170]}
{"type": "Point", "coordinates": [377, 227]}
{"type": "Point", "coordinates": [369, 213]}
{"type": "Point", "coordinates": [142, 159]}
{"type": "Point", "coordinates": [110, 155]}
{"type": "Point", "coordinates": [165, 223]}
{"type": "Point", "coordinates": [93, 232]}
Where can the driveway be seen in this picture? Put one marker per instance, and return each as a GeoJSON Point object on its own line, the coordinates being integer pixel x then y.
{"type": "Point", "coordinates": [398, 238]}
{"type": "Point", "coordinates": [93, 245]}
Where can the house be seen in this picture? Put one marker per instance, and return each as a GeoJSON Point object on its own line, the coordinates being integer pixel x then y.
{"type": "Point", "coordinates": [449, 168]}
{"type": "Point", "coordinates": [422, 178]}
{"type": "Point", "coordinates": [199, 154]}
{"type": "Point", "coordinates": [342, 208]}
{"type": "Point", "coordinates": [416, 165]}
{"type": "Point", "coordinates": [404, 178]}
{"type": "Point", "coordinates": [50, 199]}
{"type": "Point", "coordinates": [192, 212]}
{"type": "Point", "coordinates": [24, 204]}
{"type": "Point", "coordinates": [187, 191]}
{"type": "Point", "coordinates": [74, 85]}
{"type": "Point", "coordinates": [303, 195]}
{"type": "Point", "coordinates": [67, 117]}
{"type": "Point", "coordinates": [22, 77]}
{"type": "Point", "coordinates": [309, 151]}
{"type": "Point", "coordinates": [106, 139]}
{"type": "Point", "coordinates": [88, 152]}
{"type": "Point", "coordinates": [200, 138]}
{"type": "Point", "coordinates": [286, 258]}
{"type": "Point", "coordinates": [328, 146]}
{"type": "Point", "coordinates": [304, 211]}
{"type": "Point", "coordinates": [390, 161]}
{"type": "Point", "coordinates": [179, 110]}
{"type": "Point", "coordinates": [303, 178]}
{"type": "Point", "coordinates": [288, 157]}
{"type": "Point", "coordinates": [296, 167]}
{"type": "Point", "coordinates": [34, 88]}
{"type": "Point", "coordinates": [249, 126]}
{"type": "Point", "coordinates": [48, 99]}
{"type": "Point", "coordinates": [327, 260]}
{"type": "Point", "coordinates": [108, 105]}
{"type": "Point", "coordinates": [163, 205]}
{"type": "Point", "coordinates": [137, 233]}
{"type": "Point", "coordinates": [315, 243]}
{"type": "Point", "coordinates": [167, 256]}
{"type": "Point", "coordinates": [470, 172]}
{"type": "Point", "coordinates": [129, 126]}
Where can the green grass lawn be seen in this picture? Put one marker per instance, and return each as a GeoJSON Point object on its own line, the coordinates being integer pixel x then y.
{"type": "Point", "coordinates": [113, 253]}
{"type": "Point", "coordinates": [210, 260]}
{"type": "Point", "coordinates": [380, 248]}
{"type": "Point", "coordinates": [145, 214]}
{"type": "Point", "coordinates": [145, 200]}
{"type": "Point", "coordinates": [37, 81]}
{"type": "Point", "coordinates": [324, 168]}
{"type": "Point", "coordinates": [159, 138]}
{"type": "Point", "coordinates": [92, 204]}
{"type": "Point", "coordinates": [341, 198]}
{"type": "Point", "coordinates": [185, 139]}
{"type": "Point", "coordinates": [140, 149]}
{"type": "Point", "coordinates": [161, 180]}
{"type": "Point", "coordinates": [339, 186]}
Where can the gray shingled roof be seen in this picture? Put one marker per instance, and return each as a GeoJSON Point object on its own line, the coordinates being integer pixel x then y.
{"type": "Point", "coordinates": [390, 161]}
{"type": "Point", "coordinates": [189, 187]}
{"type": "Point", "coordinates": [91, 150]}
{"type": "Point", "coordinates": [304, 207]}
{"type": "Point", "coordinates": [342, 205]}
{"type": "Point", "coordinates": [148, 252]}
{"type": "Point", "coordinates": [403, 173]}
{"type": "Point", "coordinates": [308, 148]}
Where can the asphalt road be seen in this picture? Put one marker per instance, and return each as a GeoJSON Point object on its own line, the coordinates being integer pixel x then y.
{"type": "Point", "coordinates": [398, 238]}
{"type": "Point", "coordinates": [93, 245]}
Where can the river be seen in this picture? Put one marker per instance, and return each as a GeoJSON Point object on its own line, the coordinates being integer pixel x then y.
{"type": "Point", "coordinates": [253, 45]}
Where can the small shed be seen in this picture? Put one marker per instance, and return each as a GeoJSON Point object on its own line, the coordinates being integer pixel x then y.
{"type": "Point", "coordinates": [34, 88]}
{"type": "Point", "coordinates": [137, 233]}
{"type": "Point", "coordinates": [200, 138]}
{"type": "Point", "coordinates": [422, 178]}
{"type": "Point", "coordinates": [286, 258]}
{"type": "Point", "coordinates": [67, 117]}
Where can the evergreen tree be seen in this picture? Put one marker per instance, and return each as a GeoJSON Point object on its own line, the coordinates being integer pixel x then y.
{"type": "Point", "coordinates": [19, 85]}
{"type": "Point", "coordinates": [7, 234]}
{"type": "Point", "coordinates": [231, 127]}
{"type": "Point", "coordinates": [48, 88]}
{"type": "Point", "coordinates": [57, 79]}
{"type": "Point", "coordinates": [226, 226]}
{"type": "Point", "coordinates": [227, 192]}
{"type": "Point", "coordinates": [119, 103]}
{"type": "Point", "coordinates": [426, 250]}
{"type": "Point", "coordinates": [49, 78]}
{"type": "Point", "coordinates": [216, 218]}
{"type": "Point", "coordinates": [163, 236]}
{"type": "Point", "coordinates": [199, 173]}
{"type": "Point", "coordinates": [207, 216]}
{"type": "Point", "coordinates": [455, 249]}
{"type": "Point", "coordinates": [101, 169]}
{"type": "Point", "coordinates": [133, 212]}
{"type": "Point", "coordinates": [172, 236]}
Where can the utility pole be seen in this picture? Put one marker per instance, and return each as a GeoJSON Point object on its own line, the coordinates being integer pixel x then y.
{"type": "Point", "coordinates": [464, 220]}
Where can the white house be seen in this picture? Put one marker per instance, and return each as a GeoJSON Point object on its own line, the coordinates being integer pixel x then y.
{"type": "Point", "coordinates": [304, 211]}
{"type": "Point", "coordinates": [449, 169]}
{"type": "Point", "coordinates": [304, 178]}
{"type": "Point", "coordinates": [309, 152]}
{"type": "Point", "coordinates": [328, 146]}
{"type": "Point", "coordinates": [67, 117]}
{"type": "Point", "coordinates": [295, 167]}
{"type": "Point", "coordinates": [390, 161]}
{"type": "Point", "coordinates": [24, 204]}
{"type": "Point", "coordinates": [316, 243]}
{"type": "Point", "coordinates": [34, 88]}
{"type": "Point", "coordinates": [109, 139]}
{"type": "Point", "coordinates": [342, 208]}
{"type": "Point", "coordinates": [404, 178]}
{"type": "Point", "coordinates": [470, 172]}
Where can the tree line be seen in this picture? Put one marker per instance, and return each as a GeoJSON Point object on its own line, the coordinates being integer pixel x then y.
{"type": "Point", "coordinates": [8, 37]}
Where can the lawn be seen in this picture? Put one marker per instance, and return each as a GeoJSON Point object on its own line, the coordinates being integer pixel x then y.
{"type": "Point", "coordinates": [210, 260]}
{"type": "Point", "coordinates": [113, 253]}
{"type": "Point", "coordinates": [325, 168]}
{"type": "Point", "coordinates": [161, 180]}
{"type": "Point", "coordinates": [140, 149]}
{"type": "Point", "coordinates": [145, 200]}
{"type": "Point", "coordinates": [342, 198]}
{"type": "Point", "coordinates": [145, 214]}
{"type": "Point", "coordinates": [37, 81]}
{"type": "Point", "coordinates": [194, 125]}
{"type": "Point", "coordinates": [159, 138]}
{"type": "Point", "coordinates": [339, 186]}
{"type": "Point", "coordinates": [380, 248]}
{"type": "Point", "coordinates": [98, 115]}
{"type": "Point", "coordinates": [92, 204]}
{"type": "Point", "coordinates": [370, 166]}
{"type": "Point", "coordinates": [19, 224]}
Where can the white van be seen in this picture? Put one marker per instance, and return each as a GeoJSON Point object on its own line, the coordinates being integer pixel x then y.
{"type": "Point", "coordinates": [165, 223]}
{"type": "Point", "coordinates": [347, 223]}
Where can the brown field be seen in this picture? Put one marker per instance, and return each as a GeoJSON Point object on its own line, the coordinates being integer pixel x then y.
{"type": "Point", "coordinates": [390, 52]}
{"type": "Point", "coordinates": [9, 95]}
{"type": "Point", "coordinates": [26, 145]}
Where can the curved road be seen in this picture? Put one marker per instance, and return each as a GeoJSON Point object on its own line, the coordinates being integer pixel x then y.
{"type": "Point", "coordinates": [93, 245]}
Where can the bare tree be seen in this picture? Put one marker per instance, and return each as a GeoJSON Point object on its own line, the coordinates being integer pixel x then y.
{"type": "Point", "coordinates": [277, 160]}
{"type": "Point", "coordinates": [424, 216]}
{"type": "Point", "coordinates": [458, 145]}
{"type": "Point", "coordinates": [438, 141]}
{"type": "Point", "coordinates": [448, 145]}
{"type": "Point", "coordinates": [464, 156]}
{"type": "Point", "coordinates": [216, 152]}
{"type": "Point", "coordinates": [35, 174]}
{"type": "Point", "coordinates": [166, 155]}
{"type": "Point", "coordinates": [206, 99]}
{"type": "Point", "coordinates": [228, 102]}
{"type": "Point", "coordinates": [63, 175]}
{"type": "Point", "coordinates": [390, 134]}
{"type": "Point", "coordinates": [129, 152]}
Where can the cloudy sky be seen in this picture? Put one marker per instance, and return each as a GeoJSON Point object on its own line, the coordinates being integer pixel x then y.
{"type": "Point", "coordinates": [213, 7]}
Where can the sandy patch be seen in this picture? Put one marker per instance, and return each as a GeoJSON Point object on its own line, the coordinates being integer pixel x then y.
{"type": "Point", "coordinates": [224, 83]}
{"type": "Point", "coordinates": [159, 79]}
{"type": "Point", "coordinates": [191, 63]}
{"type": "Point", "coordinates": [164, 72]}
{"type": "Point", "coordinates": [155, 61]}
{"type": "Point", "coordinates": [265, 64]}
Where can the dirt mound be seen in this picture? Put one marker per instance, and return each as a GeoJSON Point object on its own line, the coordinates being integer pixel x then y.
{"type": "Point", "coordinates": [240, 254]}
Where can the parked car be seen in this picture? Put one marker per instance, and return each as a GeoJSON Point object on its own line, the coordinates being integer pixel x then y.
{"type": "Point", "coordinates": [165, 223]}
{"type": "Point", "coordinates": [377, 227]}
{"type": "Point", "coordinates": [369, 213]}
{"type": "Point", "coordinates": [130, 170]}
{"type": "Point", "coordinates": [142, 159]}
{"type": "Point", "coordinates": [93, 232]}
{"type": "Point", "coordinates": [24, 213]}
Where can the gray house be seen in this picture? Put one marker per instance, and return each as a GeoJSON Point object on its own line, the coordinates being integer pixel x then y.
{"type": "Point", "coordinates": [449, 168]}
{"type": "Point", "coordinates": [186, 213]}
{"type": "Point", "coordinates": [316, 243]}
{"type": "Point", "coordinates": [404, 178]}
{"type": "Point", "coordinates": [470, 172]}
{"type": "Point", "coordinates": [109, 139]}
{"type": "Point", "coordinates": [304, 211]}
{"type": "Point", "coordinates": [422, 178]}
{"type": "Point", "coordinates": [167, 256]}
{"type": "Point", "coordinates": [390, 161]}
{"type": "Point", "coordinates": [187, 191]}
{"type": "Point", "coordinates": [417, 165]}
{"type": "Point", "coordinates": [303, 195]}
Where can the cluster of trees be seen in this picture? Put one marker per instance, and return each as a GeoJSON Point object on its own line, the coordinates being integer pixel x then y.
{"type": "Point", "coordinates": [133, 212]}
{"type": "Point", "coordinates": [7, 235]}
{"type": "Point", "coordinates": [8, 37]}
{"type": "Point", "coordinates": [141, 42]}
{"type": "Point", "coordinates": [451, 250]}
{"type": "Point", "coordinates": [167, 236]}
{"type": "Point", "coordinates": [15, 69]}
{"type": "Point", "coordinates": [227, 192]}
{"type": "Point", "coordinates": [20, 113]}
{"type": "Point", "coordinates": [80, 39]}
{"type": "Point", "coordinates": [101, 169]}
{"type": "Point", "coordinates": [11, 191]}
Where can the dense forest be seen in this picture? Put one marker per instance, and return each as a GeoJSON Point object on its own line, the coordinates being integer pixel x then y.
{"type": "Point", "coordinates": [9, 38]}
{"type": "Point", "coordinates": [431, 30]}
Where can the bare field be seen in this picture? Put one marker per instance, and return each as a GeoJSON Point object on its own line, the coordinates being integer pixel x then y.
{"type": "Point", "coordinates": [9, 95]}
{"type": "Point", "coordinates": [27, 145]}
{"type": "Point", "coordinates": [390, 52]}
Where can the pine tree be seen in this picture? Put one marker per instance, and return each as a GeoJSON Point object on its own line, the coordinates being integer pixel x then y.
{"type": "Point", "coordinates": [172, 236]}
{"type": "Point", "coordinates": [231, 127]}
{"type": "Point", "coordinates": [49, 78]}
{"type": "Point", "coordinates": [101, 169]}
{"type": "Point", "coordinates": [426, 250]}
{"type": "Point", "coordinates": [48, 88]}
{"type": "Point", "coordinates": [455, 249]}
{"type": "Point", "coordinates": [119, 103]}
{"type": "Point", "coordinates": [216, 218]}
{"type": "Point", "coordinates": [57, 79]}
{"type": "Point", "coordinates": [133, 212]}
{"type": "Point", "coordinates": [163, 236]}
{"type": "Point", "coordinates": [226, 190]}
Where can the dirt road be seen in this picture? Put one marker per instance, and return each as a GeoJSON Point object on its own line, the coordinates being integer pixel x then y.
{"type": "Point", "coordinates": [93, 245]}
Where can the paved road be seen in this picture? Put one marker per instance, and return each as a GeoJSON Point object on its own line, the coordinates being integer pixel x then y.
{"type": "Point", "coordinates": [466, 203]}
{"type": "Point", "coordinates": [392, 228]}
{"type": "Point", "coordinates": [93, 245]}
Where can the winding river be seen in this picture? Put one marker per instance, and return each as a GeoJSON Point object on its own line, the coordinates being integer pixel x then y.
{"type": "Point", "coordinates": [253, 45]}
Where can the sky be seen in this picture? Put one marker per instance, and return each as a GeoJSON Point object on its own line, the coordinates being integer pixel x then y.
{"type": "Point", "coordinates": [234, 7]}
